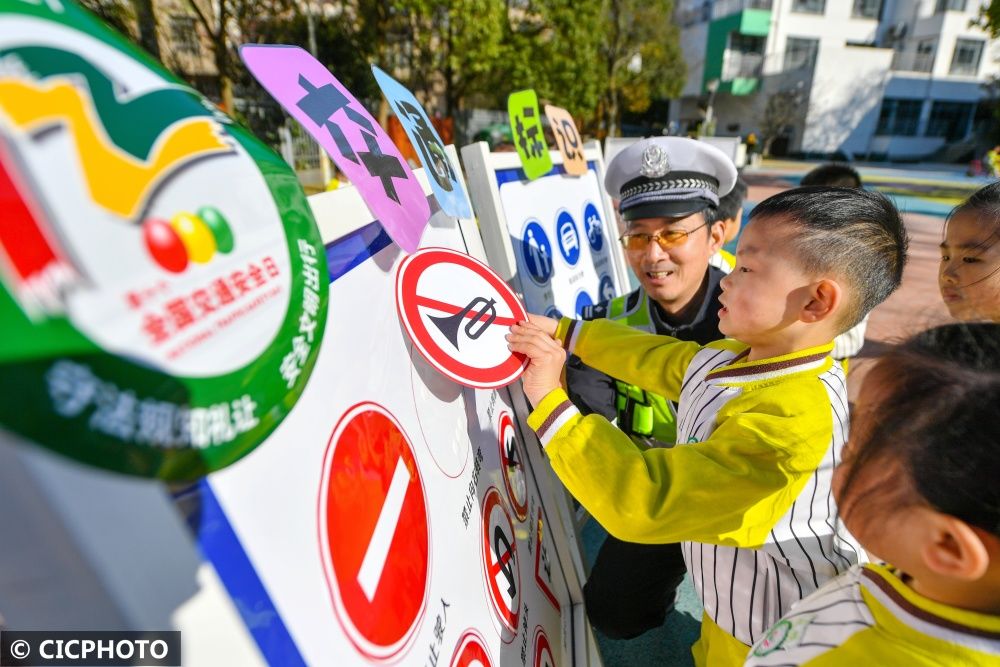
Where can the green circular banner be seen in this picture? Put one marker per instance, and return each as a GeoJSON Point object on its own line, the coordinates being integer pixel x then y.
{"type": "Point", "coordinates": [164, 285]}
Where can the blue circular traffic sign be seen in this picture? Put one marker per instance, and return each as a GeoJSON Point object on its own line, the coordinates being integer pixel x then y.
{"type": "Point", "coordinates": [582, 301]}
{"type": "Point", "coordinates": [593, 227]}
{"type": "Point", "coordinates": [536, 252]}
{"type": "Point", "coordinates": [568, 237]}
{"type": "Point", "coordinates": [606, 289]}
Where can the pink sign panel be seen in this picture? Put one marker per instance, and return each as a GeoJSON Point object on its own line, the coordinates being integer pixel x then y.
{"type": "Point", "coordinates": [348, 133]}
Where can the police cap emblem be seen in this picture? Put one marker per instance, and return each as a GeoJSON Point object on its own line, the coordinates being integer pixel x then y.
{"type": "Point", "coordinates": [654, 162]}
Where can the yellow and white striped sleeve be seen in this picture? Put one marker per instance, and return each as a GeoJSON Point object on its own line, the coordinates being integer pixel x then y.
{"type": "Point", "coordinates": [654, 363]}
{"type": "Point", "coordinates": [728, 490]}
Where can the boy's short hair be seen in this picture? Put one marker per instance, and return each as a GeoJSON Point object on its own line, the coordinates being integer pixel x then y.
{"type": "Point", "coordinates": [855, 234]}
{"type": "Point", "coordinates": [729, 206]}
{"type": "Point", "coordinates": [833, 173]}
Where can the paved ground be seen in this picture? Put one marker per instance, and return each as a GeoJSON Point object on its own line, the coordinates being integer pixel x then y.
{"type": "Point", "coordinates": [925, 195]}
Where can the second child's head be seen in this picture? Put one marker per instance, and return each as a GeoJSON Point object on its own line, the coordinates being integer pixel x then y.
{"type": "Point", "coordinates": [969, 276]}
{"type": "Point", "coordinates": [730, 214]}
{"type": "Point", "coordinates": [811, 264]}
{"type": "Point", "coordinates": [920, 482]}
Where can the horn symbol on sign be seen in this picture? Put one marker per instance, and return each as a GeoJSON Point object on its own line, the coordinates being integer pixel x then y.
{"type": "Point", "coordinates": [483, 318]}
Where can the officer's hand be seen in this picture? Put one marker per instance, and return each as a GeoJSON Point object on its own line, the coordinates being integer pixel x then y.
{"type": "Point", "coordinates": [546, 356]}
{"type": "Point", "coordinates": [546, 324]}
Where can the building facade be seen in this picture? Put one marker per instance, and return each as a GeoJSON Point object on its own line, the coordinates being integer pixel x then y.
{"type": "Point", "coordinates": [874, 79]}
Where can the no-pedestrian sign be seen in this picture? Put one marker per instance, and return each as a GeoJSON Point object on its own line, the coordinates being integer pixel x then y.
{"type": "Point", "coordinates": [373, 531]}
{"type": "Point", "coordinates": [457, 311]}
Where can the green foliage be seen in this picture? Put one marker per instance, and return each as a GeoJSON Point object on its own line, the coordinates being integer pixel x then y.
{"type": "Point", "coordinates": [641, 56]}
{"type": "Point", "coordinates": [454, 54]}
{"type": "Point", "coordinates": [552, 46]}
{"type": "Point", "coordinates": [988, 18]}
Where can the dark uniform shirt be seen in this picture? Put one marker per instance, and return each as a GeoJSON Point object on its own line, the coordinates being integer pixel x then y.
{"type": "Point", "coordinates": [594, 392]}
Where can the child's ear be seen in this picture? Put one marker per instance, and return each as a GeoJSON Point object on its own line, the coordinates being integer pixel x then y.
{"type": "Point", "coordinates": [824, 297]}
{"type": "Point", "coordinates": [955, 549]}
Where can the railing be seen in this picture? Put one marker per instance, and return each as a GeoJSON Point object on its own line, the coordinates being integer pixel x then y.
{"type": "Point", "coordinates": [903, 61]}
{"type": "Point", "coordinates": [727, 7]}
{"type": "Point", "coordinates": [742, 65]}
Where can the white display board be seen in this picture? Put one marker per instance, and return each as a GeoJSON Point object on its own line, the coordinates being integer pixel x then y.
{"type": "Point", "coordinates": [733, 147]}
{"type": "Point", "coordinates": [615, 145]}
{"type": "Point", "coordinates": [395, 516]}
{"type": "Point", "coordinates": [555, 238]}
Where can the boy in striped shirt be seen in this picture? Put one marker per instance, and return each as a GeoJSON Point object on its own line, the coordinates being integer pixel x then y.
{"type": "Point", "coordinates": [761, 416]}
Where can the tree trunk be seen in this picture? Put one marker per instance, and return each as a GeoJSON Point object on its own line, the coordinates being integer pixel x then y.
{"type": "Point", "coordinates": [612, 114]}
{"type": "Point", "coordinates": [225, 83]}
{"type": "Point", "coordinates": [146, 21]}
{"type": "Point", "coordinates": [383, 113]}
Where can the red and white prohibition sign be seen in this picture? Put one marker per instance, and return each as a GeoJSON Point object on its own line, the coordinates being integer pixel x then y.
{"type": "Point", "coordinates": [471, 651]}
{"type": "Point", "coordinates": [503, 574]}
{"type": "Point", "coordinates": [457, 311]}
{"type": "Point", "coordinates": [374, 536]}
{"type": "Point", "coordinates": [512, 464]}
{"type": "Point", "coordinates": [543, 562]}
{"type": "Point", "coordinates": [543, 650]}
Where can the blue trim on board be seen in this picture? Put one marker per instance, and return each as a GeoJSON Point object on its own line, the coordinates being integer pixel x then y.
{"type": "Point", "coordinates": [220, 545]}
{"type": "Point", "coordinates": [512, 174]}
{"type": "Point", "coordinates": [215, 535]}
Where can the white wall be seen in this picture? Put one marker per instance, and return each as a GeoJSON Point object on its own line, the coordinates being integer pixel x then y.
{"type": "Point", "coordinates": [693, 43]}
{"type": "Point", "coordinates": [901, 147]}
{"type": "Point", "coordinates": [845, 98]}
{"type": "Point", "coordinates": [834, 28]}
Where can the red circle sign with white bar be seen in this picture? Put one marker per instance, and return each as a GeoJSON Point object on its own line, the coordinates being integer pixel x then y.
{"type": "Point", "coordinates": [457, 311]}
{"type": "Point", "coordinates": [373, 531]}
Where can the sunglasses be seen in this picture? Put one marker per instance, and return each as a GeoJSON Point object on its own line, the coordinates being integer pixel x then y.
{"type": "Point", "coordinates": [667, 239]}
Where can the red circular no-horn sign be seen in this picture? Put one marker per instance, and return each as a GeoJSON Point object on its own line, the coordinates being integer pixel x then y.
{"type": "Point", "coordinates": [471, 651]}
{"type": "Point", "coordinates": [373, 531]}
{"type": "Point", "coordinates": [457, 311]}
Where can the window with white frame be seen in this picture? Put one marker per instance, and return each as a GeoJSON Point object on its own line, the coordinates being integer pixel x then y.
{"type": "Point", "coordinates": [866, 9]}
{"type": "Point", "coordinates": [800, 52]}
{"type": "Point", "coordinates": [968, 53]}
{"type": "Point", "coordinates": [950, 6]}
{"type": "Point", "coordinates": [899, 117]}
{"type": "Point", "coordinates": [809, 6]}
{"type": "Point", "coordinates": [950, 120]}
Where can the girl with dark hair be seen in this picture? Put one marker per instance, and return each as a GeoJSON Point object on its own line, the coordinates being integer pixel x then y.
{"type": "Point", "coordinates": [919, 487]}
{"type": "Point", "coordinates": [969, 277]}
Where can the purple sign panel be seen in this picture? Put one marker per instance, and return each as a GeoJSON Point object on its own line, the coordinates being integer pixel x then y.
{"type": "Point", "coordinates": [348, 133]}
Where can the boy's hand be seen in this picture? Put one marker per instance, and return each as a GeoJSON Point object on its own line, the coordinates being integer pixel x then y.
{"type": "Point", "coordinates": [546, 324]}
{"type": "Point", "coordinates": [546, 356]}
